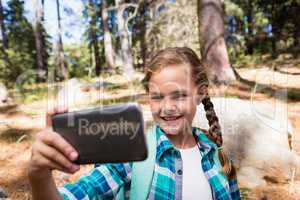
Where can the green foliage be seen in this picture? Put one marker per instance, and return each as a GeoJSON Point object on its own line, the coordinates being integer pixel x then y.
{"type": "Point", "coordinates": [47, 46]}
{"type": "Point", "coordinates": [255, 15]}
{"type": "Point", "coordinates": [28, 93]}
{"type": "Point", "coordinates": [19, 62]}
{"type": "Point", "coordinates": [21, 53]}
{"type": "Point", "coordinates": [173, 24]}
{"type": "Point", "coordinates": [78, 58]}
{"type": "Point", "coordinates": [20, 31]}
{"type": "Point", "coordinates": [168, 23]}
{"type": "Point", "coordinates": [233, 9]}
{"type": "Point", "coordinates": [36, 94]}
{"type": "Point", "coordinates": [293, 95]}
{"type": "Point", "coordinates": [236, 45]}
{"type": "Point", "coordinates": [245, 193]}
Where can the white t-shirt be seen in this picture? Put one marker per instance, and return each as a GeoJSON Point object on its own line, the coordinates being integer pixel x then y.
{"type": "Point", "coordinates": [194, 183]}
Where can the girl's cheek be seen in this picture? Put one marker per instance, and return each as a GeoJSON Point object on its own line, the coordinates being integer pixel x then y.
{"type": "Point", "coordinates": [154, 110]}
{"type": "Point", "coordinates": [154, 106]}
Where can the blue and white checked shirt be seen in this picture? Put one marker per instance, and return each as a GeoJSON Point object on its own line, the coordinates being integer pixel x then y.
{"type": "Point", "coordinates": [105, 180]}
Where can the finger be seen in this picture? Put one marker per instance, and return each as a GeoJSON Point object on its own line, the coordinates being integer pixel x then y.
{"type": "Point", "coordinates": [52, 111]}
{"type": "Point", "coordinates": [56, 157]}
{"type": "Point", "coordinates": [44, 162]}
{"type": "Point", "coordinates": [49, 113]}
{"type": "Point", "coordinates": [59, 143]}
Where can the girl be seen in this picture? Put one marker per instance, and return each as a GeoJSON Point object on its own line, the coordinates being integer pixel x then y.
{"type": "Point", "coordinates": [189, 162]}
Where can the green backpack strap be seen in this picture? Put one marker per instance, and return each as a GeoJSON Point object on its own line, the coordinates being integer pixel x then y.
{"type": "Point", "coordinates": [142, 172]}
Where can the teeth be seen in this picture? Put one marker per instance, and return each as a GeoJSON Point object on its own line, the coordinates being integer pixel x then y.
{"type": "Point", "coordinates": [170, 118]}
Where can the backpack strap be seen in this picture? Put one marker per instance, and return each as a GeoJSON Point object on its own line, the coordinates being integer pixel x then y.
{"type": "Point", "coordinates": [142, 172]}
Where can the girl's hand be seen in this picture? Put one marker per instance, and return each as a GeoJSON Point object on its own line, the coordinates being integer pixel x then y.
{"type": "Point", "coordinates": [51, 151]}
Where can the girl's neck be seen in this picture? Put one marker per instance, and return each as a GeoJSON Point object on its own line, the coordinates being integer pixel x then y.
{"type": "Point", "coordinates": [183, 140]}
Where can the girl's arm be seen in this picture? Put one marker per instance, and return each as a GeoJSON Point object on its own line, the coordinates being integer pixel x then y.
{"type": "Point", "coordinates": [50, 151]}
{"type": "Point", "coordinates": [44, 189]}
{"type": "Point", "coordinates": [103, 182]}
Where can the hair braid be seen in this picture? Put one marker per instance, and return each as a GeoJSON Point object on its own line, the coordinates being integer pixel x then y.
{"type": "Point", "coordinates": [214, 133]}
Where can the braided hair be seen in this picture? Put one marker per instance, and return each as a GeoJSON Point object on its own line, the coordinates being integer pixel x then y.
{"type": "Point", "coordinates": [184, 55]}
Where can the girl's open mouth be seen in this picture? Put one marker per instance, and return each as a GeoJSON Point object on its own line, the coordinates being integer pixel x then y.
{"type": "Point", "coordinates": [171, 118]}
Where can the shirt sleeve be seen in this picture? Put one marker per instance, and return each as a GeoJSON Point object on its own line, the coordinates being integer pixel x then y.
{"type": "Point", "coordinates": [103, 182]}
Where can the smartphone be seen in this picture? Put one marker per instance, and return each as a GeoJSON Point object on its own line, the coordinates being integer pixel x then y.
{"type": "Point", "coordinates": [107, 134]}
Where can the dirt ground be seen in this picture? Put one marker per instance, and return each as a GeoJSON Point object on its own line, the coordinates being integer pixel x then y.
{"type": "Point", "coordinates": [18, 128]}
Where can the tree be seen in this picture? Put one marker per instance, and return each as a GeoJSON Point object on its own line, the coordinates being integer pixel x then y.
{"type": "Point", "coordinates": [249, 39]}
{"type": "Point", "coordinates": [171, 23]}
{"type": "Point", "coordinates": [93, 34]}
{"type": "Point", "coordinates": [108, 47]}
{"type": "Point", "coordinates": [3, 29]}
{"type": "Point", "coordinates": [63, 68]}
{"type": "Point", "coordinates": [213, 48]}
{"type": "Point", "coordinates": [125, 39]}
{"type": "Point", "coordinates": [21, 52]}
{"type": "Point", "coordinates": [4, 46]}
{"type": "Point", "coordinates": [263, 24]}
{"type": "Point", "coordinates": [284, 17]}
{"type": "Point", "coordinates": [41, 42]}
{"type": "Point", "coordinates": [139, 32]}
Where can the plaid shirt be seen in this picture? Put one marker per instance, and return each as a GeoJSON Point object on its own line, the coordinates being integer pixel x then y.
{"type": "Point", "coordinates": [105, 180]}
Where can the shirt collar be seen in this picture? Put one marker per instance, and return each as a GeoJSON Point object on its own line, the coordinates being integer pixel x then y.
{"type": "Point", "coordinates": [205, 143]}
{"type": "Point", "coordinates": [164, 144]}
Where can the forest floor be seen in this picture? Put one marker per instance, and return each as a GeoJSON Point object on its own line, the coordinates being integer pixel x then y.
{"type": "Point", "coordinates": [19, 125]}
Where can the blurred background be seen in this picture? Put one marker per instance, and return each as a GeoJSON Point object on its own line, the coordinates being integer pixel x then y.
{"type": "Point", "coordinates": [87, 53]}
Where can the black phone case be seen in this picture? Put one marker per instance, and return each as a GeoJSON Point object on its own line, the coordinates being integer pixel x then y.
{"type": "Point", "coordinates": [108, 134]}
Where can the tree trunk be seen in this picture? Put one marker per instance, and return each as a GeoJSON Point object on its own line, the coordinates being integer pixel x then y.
{"type": "Point", "coordinates": [109, 51]}
{"type": "Point", "coordinates": [63, 68]}
{"type": "Point", "coordinates": [296, 35]}
{"type": "Point", "coordinates": [2, 25]}
{"type": "Point", "coordinates": [143, 43]}
{"type": "Point", "coordinates": [44, 38]}
{"type": "Point", "coordinates": [93, 33]}
{"type": "Point", "coordinates": [39, 41]}
{"type": "Point", "coordinates": [213, 47]}
{"type": "Point", "coordinates": [250, 36]}
{"type": "Point", "coordinates": [141, 26]}
{"type": "Point", "coordinates": [123, 32]}
{"type": "Point", "coordinates": [4, 36]}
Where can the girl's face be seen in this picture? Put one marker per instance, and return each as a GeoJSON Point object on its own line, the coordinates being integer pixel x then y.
{"type": "Point", "coordinates": [173, 98]}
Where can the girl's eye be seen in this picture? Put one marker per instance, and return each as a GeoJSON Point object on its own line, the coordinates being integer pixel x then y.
{"type": "Point", "coordinates": [156, 97]}
{"type": "Point", "coordinates": [179, 96]}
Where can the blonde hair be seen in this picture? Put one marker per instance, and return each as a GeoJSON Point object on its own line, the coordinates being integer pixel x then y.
{"type": "Point", "coordinates": [184, 55]}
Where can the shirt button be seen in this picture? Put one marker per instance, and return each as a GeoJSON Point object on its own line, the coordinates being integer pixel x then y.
{"type": "Point", "coordinates": [179, 172]}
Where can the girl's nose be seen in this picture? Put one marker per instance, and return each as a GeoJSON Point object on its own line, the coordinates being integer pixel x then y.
{"type": "Point", "coordinates": [168, 107]}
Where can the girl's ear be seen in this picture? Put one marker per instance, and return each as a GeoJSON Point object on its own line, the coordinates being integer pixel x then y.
{"type": "Point", "coordinates": [202, 92]}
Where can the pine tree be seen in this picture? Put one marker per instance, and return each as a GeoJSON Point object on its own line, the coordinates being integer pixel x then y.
{"type": "Point", "coordinates": [108, 46]}
{"type": "Point", "coordinates": [22, 52]}
{"type": "Point", "coordinates": [41, 41]}
{"type": "Point", "coordinates": [4, 42]}
{"type": "Point", "coordinates": [63, 72]}
{"type": "Point", "coordinates": [3, 29]}
{"type": "Point", "coordinates": [93, 33]}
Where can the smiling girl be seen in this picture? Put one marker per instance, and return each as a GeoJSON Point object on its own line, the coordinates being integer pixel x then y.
{"type": "Point", "coordinates": [189, 162]}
